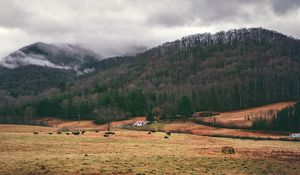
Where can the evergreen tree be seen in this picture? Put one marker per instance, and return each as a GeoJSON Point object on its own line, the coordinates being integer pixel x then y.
{"type": "Point", "coordinates": [185, 107]}
{"type": "Point", "coordinates": [150, 117]}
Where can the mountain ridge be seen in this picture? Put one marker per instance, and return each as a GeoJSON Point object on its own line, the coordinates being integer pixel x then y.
{"type": "Point", "coordinates": [213, 74]}
{"type": "Point", "coordinates": [258, 34]}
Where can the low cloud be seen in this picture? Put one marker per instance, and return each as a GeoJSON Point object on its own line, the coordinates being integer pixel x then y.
{"type": "Point", "coordinates": [123, 27]}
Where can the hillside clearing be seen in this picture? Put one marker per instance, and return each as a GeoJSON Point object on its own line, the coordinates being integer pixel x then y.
{"type": "Point", "coordinates": [237, 118]}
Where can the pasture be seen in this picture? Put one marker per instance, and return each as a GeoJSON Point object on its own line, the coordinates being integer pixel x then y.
{"type": "Point", "coordinates": [137, 152]}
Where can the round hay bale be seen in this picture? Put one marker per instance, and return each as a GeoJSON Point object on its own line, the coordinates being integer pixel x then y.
{"type": "Point", "coordinates": [106, 135]}
{"type": "Point", "coordinates": [228, 150]}
{"type": "Point", "coordinates": [82, 132]}
{"type": "Point", "coordinates": [35, 133]}
{"type": "Point", "coordinates": [168, 132]}
{"type": "Point", "coordinates": [58, 132]}
{"type": "Point", "coordinates": [166, 137]}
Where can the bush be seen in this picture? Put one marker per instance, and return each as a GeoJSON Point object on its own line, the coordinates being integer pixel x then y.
{"type": "Point", "coordinates": [228, 150]}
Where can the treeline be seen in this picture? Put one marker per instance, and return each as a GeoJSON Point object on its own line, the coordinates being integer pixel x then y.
{"type": "Point", "coordinates": [103, 105]}
{"type": "Point", "coordinates": [287, 119]}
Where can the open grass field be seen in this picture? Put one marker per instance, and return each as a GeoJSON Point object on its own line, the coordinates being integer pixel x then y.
{"type": "Point", "coordinates": [137, 152]}
{"type": "Point", "coordinates": [237, 118]}
{"type": "Point", "coordinates": [87, 124]}
{"type": "Point", "coordinates": [200, 129]}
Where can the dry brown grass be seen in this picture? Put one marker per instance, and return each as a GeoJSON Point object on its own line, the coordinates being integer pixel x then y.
{"type": "Point", "coordinates": [193, 128]}
{"type": "Point", "coordinates": [133, 152]}
{"type": "Point", "coordinates": [25, 128]}
{"type": "Point", "coordinates": [87, 124]}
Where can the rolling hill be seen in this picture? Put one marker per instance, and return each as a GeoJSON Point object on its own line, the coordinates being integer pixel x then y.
{"type": "Point", "coordinates": [41, 66]}
{"type": "Point", "coordinates": [224, 71]}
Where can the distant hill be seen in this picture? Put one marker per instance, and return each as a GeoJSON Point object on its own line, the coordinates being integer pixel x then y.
{"type": "Point", "coordinates": [218, 72]}
{"type": "Point", "coordinates": [40, 66]}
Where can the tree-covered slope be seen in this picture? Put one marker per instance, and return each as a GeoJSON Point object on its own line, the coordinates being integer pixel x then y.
{"type": "Point", "coordinates": [220, 72]}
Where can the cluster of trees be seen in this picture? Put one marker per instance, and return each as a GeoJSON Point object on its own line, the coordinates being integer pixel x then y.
{"type": "Point", "coordinates": [31, 79]}
{"type": "Point", "coordinates": [287, 119]}
{"type": "Point", "coordinates": [103, 106]}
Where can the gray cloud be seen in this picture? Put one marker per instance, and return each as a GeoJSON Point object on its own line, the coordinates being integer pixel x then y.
{"type": "Point", "coordinates": [282, 7]}
{"type": "Point", "coordinates": [125, 26]}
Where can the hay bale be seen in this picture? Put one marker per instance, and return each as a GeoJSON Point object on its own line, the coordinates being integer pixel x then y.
{"type": "Point", "coordinates": [68, 133]}
{"type": "Point", "coordinates": [58, 132]}
{"type": "Point", "coordinates": [106, 135]}
{"type": "Point", "coordinates": [50, 133]}
{"type": "Point", "coordinates": [168, 132]}
{"type": "Point", "coordinates": [35, 133]}
{"type": "Point", "coordinates": [149, 132]}
{"type": "Point", "coordinates": [96, 130]}
{"type": "Point", "coordinates": [82, 132]}
{"type": "Point", "coordinates": [166, 137]}
{"type": "Point", "coordinates": [228, 150]}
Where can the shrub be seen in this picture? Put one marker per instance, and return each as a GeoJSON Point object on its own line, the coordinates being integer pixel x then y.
{"type": "Point", "coordinates": [228, 150]}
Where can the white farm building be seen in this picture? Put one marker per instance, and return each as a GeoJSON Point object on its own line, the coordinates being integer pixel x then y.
{"type": "Point", "coordinates": [295, 135]}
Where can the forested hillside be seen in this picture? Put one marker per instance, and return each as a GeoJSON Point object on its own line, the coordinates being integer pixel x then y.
{"type": "Point", "coordinates": [40, 66]}
{"type": "Point", "coordinates": [219, 72]}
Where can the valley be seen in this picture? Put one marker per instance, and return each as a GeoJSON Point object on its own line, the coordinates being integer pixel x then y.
{"type": "Point", "coordinates": [134, 152]}
{"type": "Point", "coordinates": [223, 103]}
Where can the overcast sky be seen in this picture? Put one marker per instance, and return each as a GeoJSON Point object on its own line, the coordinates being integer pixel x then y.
{"type": "Point", "coordinates": [117, 27]}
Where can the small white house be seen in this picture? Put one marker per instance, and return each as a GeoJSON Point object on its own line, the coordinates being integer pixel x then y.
{"type": "Point", "coordinates": [139, 123]}
{"type": "Point", "coordinates": [295, 135]}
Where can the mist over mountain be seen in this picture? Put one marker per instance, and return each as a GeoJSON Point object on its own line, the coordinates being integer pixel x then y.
{"type": "Point", "coordinates": [60, 56]}
{"type": "Point", "coordinates": [224, 71]}
{"type": "Point", "coordinates": [40, 66]}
